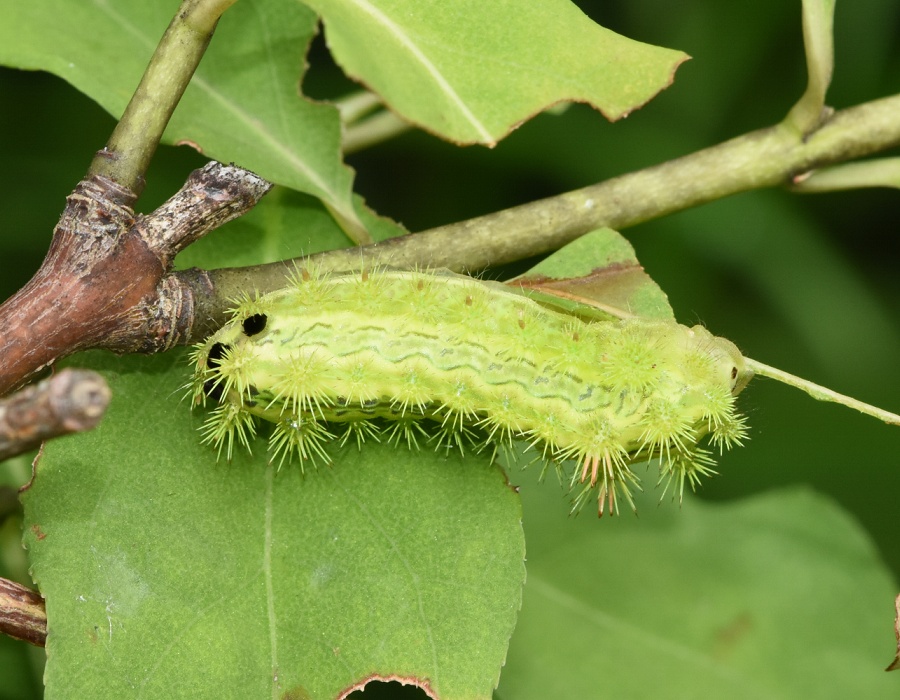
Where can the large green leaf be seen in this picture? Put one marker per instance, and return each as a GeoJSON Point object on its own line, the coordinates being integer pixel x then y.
{"type": "Point", "coordinates": [243, 105]}
{"type": "Point", "coordinates": [777, 596]}
{"type": "Point", "coordinates": [164, 570]}
{"type": "Point", "coordinates": [472, 71]}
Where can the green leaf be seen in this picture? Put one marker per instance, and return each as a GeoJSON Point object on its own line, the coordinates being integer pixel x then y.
{"type": "Point", "coordinates": [471, 71]}
{"type": "Point", "coordinates": [163, 569]}
{"type": "Point", "coordinates": [243, 105]}
{"type": "Point", "coordinates": [776, 596]}
{"type": "Point", "coordinates": [599, 267]}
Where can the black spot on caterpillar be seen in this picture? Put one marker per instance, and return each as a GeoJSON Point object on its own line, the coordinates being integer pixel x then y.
{"type": "Point", "coordinates": [254, 324]}
{"type": "Point", "coordinates": [356, 351]}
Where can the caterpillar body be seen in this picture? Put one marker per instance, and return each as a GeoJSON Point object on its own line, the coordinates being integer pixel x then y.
{"type": "Point", "coordinates": [389, 351]}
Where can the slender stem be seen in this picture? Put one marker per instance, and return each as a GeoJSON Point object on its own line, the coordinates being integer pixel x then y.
{"type": "Point", "coordinates": [878, 172]}
{"type": "Point", "coordinates": [821, 393]}
{"type": "Point", "coordinates": [373, 130]}
{"type": "Point", "coordinates": [764, 158]}
{"type": "Point", "coordinates": [357, 105]}
{"type": "Point", "coordinates": [127, 155]}
{"type": "Point", "coordinates": [818, 40]}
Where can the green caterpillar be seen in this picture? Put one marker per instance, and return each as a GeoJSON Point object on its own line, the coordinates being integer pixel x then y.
{"type": "Point", "coordinates": [405, 348]}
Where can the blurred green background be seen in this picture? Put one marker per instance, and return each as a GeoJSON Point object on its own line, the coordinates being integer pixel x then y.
{"type": "Point", "coordinates": [806, 283]}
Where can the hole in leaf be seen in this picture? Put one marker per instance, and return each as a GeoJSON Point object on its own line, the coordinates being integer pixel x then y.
{"type": "Point", "coordinates": [388, 690]}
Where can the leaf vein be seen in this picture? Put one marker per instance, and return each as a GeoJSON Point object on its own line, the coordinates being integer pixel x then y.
{"type": "Point", "coordinates": [419, 55]}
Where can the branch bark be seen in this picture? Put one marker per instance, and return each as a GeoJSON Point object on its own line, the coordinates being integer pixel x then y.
{"type": "Point", "coordinates": [104, 281]}
{"type": "Point", "coordinates": [22, 613]}
{"type": "Point", "coordinates": [101, 280]}
{"type": "Point", "coordinates": [69, 402]}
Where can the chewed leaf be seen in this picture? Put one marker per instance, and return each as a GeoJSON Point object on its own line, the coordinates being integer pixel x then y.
{"type": "Point", "coordinates": [471, 71]}
{"type": "Point", "coordinates": [599, 270]}
{"type": "Point", "coordinates": [895, 664]}
{"type": "Point", "coordinates": [276, 584]}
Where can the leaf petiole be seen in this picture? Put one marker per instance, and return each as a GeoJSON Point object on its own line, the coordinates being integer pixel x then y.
{"type": "Point", "coordinates": [821, 393]}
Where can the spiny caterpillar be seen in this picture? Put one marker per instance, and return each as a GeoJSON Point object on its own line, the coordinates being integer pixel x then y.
{"type": "Point", "coordinates": [401, 349]}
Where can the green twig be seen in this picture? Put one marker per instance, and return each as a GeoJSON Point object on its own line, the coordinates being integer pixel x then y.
{"type": "Point", "coordinates": [357, 105]}
{"type": "Point", "coordinates": [818, 40]}
{"type": "Point", "coordinates": [879, 172]}
{"type": "Point", "coordinates": [127, 155]}
{"type": "Point", "coordinates": [765, 158]}
{"type": "Point", "coordinates": [364, 123]}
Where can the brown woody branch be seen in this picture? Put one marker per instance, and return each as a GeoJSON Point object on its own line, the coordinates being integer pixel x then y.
{"type": "Point", "coordinates": [895, 664]}
{"type": "Point", "coordinates": [105, 281]}
{"type": "Point", "coordinates": [22, 613]}
{"type": "Point", "coordinates": [69, 402]}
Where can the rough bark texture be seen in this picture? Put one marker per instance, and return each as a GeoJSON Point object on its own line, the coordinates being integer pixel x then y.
{"type": "Point", "coordinates": [69, 402]}
{"type": "Point", "coordinates": [22, 613]}
{"type": "Point", "coordinates": [104, 281]}
{"type": "Point", "coordinates": [71, 302]}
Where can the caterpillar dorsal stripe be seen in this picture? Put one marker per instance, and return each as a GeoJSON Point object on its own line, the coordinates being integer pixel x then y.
{"type": "Point", "coordinates": [410, 348]}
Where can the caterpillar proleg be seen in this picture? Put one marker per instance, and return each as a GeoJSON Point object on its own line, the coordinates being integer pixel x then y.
{"type": "Point", "coordinates": [413, 354]}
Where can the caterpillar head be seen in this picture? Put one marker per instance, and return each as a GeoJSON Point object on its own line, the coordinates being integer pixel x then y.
{"type": "Point", "coordinates": [740, 373]}
{"type": "Point", "coordinates": [729, 364]}
{"type": "Point", "coordinates": [219, 361]}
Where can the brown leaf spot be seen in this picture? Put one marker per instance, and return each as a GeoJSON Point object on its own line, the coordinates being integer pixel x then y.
{"type": "Point", "coordinates": [729, 636]}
